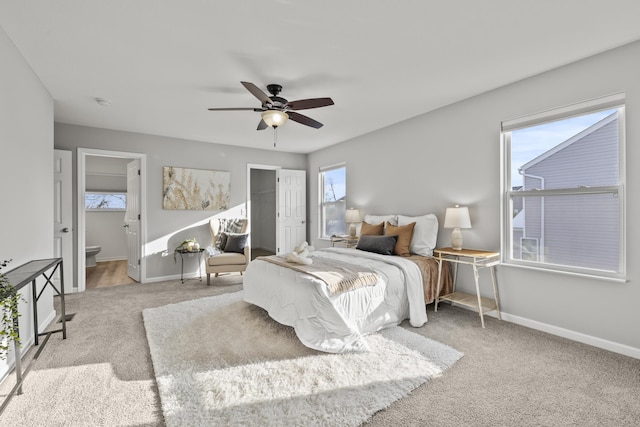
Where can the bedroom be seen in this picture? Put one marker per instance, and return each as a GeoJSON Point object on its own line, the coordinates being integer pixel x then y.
{"type": "Point", "coordinates": [605, 313]}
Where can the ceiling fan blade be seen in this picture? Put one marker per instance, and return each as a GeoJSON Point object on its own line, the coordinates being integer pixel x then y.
{"type": "Point", "coordinates": [255, 91]}
{"type": "Point", "coordinates": [235, 109]}
{"type": "Point", "coordinates": [262, 125]}
{"type": "Point", "coordinates": [305, 104]}
{"type": "Point", "coordinates": [297, 117]}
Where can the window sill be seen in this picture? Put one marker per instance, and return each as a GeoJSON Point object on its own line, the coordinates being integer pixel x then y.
{"type": "Point", "coordinates": [616, 279]}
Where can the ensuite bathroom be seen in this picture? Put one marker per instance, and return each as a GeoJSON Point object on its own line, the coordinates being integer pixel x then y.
{"type": "Point", "coordinates": [105, 236]}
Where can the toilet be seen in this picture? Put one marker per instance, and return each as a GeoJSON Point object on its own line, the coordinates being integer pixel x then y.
{"type": "Point", "coordinates": [92, 251]}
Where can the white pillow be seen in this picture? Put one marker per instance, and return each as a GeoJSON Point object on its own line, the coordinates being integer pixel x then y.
{"type": "Point", "coordinates": [377, 219]}
{"type": "Point", "coordinates": [425, 233]}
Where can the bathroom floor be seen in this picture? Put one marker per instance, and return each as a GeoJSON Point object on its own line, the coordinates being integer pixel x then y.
{"type": "Point", "coordinates": [108, 273]}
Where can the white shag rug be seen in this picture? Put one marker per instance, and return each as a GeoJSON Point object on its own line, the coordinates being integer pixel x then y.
{"type": "Point", "coordinates": [221, 361]}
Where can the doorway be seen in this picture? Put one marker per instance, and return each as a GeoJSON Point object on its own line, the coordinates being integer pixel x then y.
{"type": "Point", "coordinates": [262, 209]}
{"type": "Point", "coordinates": [102, 171]}
{"type": "Point", "coordinates": [276, 208]}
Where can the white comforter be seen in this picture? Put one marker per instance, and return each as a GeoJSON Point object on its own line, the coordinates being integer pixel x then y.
{"type": "Point", "coordinates": [337, 324]}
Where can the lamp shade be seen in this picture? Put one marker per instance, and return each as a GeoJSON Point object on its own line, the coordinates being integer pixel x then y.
{"type": "Point", "coordinates": [352, 215]}
{"type": "Point", "coordinates": [457, 217]}
{"type": "Point", "coordinates": [274, 118]}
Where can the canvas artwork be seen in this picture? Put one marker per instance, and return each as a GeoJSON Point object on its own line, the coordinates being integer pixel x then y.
{"type": "Point", "coordinates": [195, 189]}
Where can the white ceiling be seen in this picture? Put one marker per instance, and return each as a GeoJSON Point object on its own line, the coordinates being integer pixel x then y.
{"type": "Point", "coordinates": [163, 63]}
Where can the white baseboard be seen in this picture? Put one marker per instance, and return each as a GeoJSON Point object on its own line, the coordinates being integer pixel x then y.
{"type": "Point", "coordinates": [114, 258]}
{"type": "Point", "coordinates": [573, 335]}
{"type": "Point", "coordinates": [565, 333]}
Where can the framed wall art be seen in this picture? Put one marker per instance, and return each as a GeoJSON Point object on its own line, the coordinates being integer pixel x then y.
{"type": "Point", "coordinates": [195, 189]}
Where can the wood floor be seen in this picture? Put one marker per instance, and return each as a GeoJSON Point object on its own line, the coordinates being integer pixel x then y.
{"type": "Point", "coordinates": [114, 273]}
{"type": "Point", "coordinates": [108, 273]}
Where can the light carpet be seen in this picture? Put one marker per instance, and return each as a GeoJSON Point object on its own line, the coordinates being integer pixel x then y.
{"type": "Point", "coordinates": [221, 361]}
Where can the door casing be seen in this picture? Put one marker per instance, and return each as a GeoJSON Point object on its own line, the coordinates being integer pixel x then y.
{"type": "Point", "coordinates": [63, 217]}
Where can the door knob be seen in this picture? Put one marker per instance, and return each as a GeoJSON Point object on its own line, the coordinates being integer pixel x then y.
{"type": "Point", "coordinates": [126, 225]}
{"type": "Point", "coordinates": [65, 230]}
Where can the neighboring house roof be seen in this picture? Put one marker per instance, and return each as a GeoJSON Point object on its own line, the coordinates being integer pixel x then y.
{"type": "Point", "coordinates": [518, 220]}
{"type": "Point", "coordinates": [577, 137]}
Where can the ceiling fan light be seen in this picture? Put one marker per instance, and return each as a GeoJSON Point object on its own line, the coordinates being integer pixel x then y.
{"type": "Point", "coordinates": [274, 118]}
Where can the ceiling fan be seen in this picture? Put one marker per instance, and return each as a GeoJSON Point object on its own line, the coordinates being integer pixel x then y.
{"type": "Point", "coordinates": [276, 110]}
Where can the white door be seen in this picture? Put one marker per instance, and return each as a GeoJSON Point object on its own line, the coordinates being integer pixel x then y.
{"type": "Point", "coordinates": [291, 227]}
{"type": "Point", "coordinates": [63, 218]}
{"type": "Point", "coordinates": [132, 220]}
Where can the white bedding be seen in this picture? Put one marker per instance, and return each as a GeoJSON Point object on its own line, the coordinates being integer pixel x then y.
{"type": "Point", "coordinates": [337, 324]}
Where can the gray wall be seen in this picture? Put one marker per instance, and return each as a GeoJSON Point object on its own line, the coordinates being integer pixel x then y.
{"type": "Point", "coordinates": [105, 229]}
{"type": "Point", "coordinates": [166, 229]}
{"type": "Point", "coordinates": [452, 155]}
{"type": "Point", "coordinates": [26, 171]}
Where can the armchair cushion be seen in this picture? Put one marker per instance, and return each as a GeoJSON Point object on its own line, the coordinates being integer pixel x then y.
{"type": "Point", "coordinates": [227, 258]}
{"type": "Point", "coordinates": [235, 243]}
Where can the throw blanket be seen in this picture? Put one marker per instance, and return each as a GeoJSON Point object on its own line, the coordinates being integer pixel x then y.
{"type": "Point", "coordinates": [429, 269]}
{"type": "Point", "coordinates": [339, 276]}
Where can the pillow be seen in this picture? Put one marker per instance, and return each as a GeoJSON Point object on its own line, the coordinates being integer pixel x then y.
{"type": "Point", "coordinates": [371, 230]}
{"type": "Point", "coordinates": [404, 233]}
{"type": "Point", "coordinates": [378, 244]}
{"type": "Point", "coordinates": [377, 219]}
{"type": "Point", "coordinates": [235, 243]}
{"type": "Point", "coordinates": [221, 241]}
{"type": "Point", "coordinates": [425, 233]}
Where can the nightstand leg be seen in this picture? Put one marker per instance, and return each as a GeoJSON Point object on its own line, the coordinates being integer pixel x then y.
{"type": "Point", "coordinates": [475, 275]}
{"type": "Point", "coordinates": [439, 285]}
{"type": "Point", "coordinates": [495, 291]}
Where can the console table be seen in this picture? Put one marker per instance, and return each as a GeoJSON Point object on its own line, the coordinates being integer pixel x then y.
{"type": "Point", "coordinates": [20, 277]}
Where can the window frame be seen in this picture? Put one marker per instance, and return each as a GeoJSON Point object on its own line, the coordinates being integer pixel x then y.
{"type": "Point", "coordinates": [611, 102]}
{"type": "Point", "coordinates": [321, 193]}
{"type": "Point", "coordinates": [105, 209]}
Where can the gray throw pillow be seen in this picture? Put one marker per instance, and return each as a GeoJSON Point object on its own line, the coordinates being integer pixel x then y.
{"type": "Point", "coordinates": [379, 244]}
{"type": "Point", "coordinates": [222, 241]}
{"type": "Point", "coordinates": [235, 243]}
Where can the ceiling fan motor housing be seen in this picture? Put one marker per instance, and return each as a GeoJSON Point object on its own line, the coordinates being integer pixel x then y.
{"type": "Point", "coordinates": [274, 89]}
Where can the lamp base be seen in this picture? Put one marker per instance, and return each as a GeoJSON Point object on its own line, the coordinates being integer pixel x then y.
{"type": "Point", "coordinates": [352, 230]}
{"type": "Point", "coordinates": [456, 239]}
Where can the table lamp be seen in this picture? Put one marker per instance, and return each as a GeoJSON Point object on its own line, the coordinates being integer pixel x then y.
{"type": "Point", "coordinates": [457, 218]}
{"type": "Point", "coordinates": [352, 217]}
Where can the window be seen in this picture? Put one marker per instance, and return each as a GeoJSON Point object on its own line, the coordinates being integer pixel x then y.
{"type": "Point", "coordinates": [563, 206]}
{"type": "Point", "coordinates": [333, 183]}
{"type": "Point", "coordinates": [105, 201]}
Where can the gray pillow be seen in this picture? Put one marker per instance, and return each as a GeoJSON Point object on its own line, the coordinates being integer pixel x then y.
{"type": "Point", "coordinates": [235, 243]}
{"type": "Point", "coordinates": [378, 244]}
{"type": "Point", "coordinates": [222, 241]}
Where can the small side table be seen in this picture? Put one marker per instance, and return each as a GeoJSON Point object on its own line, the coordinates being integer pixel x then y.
{"type": "Point", "coordinates": [183, 253]}
{"type": "Point", "coordinates": [477, 259]}
{"type": "Point", "coordinates": [348, 241]}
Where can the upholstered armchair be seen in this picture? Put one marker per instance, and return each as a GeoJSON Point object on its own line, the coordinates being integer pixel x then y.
{"type": "Point", "coordinates": [231, 251]}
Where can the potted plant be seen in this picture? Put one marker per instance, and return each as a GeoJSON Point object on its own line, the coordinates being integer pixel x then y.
{"type": "Point", "coordinates": [9, 307]}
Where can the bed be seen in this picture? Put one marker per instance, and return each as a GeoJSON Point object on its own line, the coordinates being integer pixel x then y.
{"type": "Point", "coordinates": [336, 322]}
